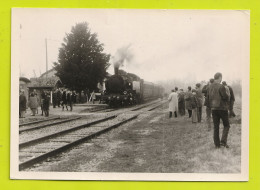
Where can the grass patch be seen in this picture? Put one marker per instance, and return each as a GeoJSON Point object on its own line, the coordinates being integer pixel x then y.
{"type": "Point", "coordinates": [174, 146]}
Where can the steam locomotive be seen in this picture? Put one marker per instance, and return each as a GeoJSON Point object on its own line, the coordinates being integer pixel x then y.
{"type": "Point", "coordinates": [128, 89]}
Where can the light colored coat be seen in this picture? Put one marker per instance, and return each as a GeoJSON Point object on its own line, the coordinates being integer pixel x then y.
{"type": "Point", "coordinates": [173, 102]}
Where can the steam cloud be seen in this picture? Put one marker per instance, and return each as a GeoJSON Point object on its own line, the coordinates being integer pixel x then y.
{"type": "Point", "coordinates": [122, 55]}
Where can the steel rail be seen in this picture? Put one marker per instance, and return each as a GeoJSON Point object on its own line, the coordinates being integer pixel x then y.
{"type": "Point", "coordinates": [42, 157]}
{"type": "Point", "coordinates": [48, 125]}
{"type": "Point", "coordinates": [39, 121]}
{"type": "Point", "coordinates": [38, 140]}
{"type": "Point", "coordinates": [144, 106]}
{"type": "Point", "coordinates": [160, 104]}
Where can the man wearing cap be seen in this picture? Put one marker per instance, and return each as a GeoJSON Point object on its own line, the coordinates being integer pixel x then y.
{"type": "Point", "coordinates": [218, 102]}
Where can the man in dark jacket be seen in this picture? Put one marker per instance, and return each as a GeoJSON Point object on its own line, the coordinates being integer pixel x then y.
{"type": "Point", "coordinates": [54, 98]}
{"type": "Point", "coordinates": [218, 102]}
{"type": "Point", "coordinates": [64, 100]}
{"type": "Point", "coordinates": [46, 104]}
{"type": "Point", "coordinates": [181, 102]}
{"type": "Point", "coordinates": [58, 97]}
{"type": "Point", "coordinates": [22, 104]}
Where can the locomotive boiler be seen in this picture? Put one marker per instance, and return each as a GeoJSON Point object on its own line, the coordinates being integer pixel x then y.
{"type": "Point", "coordinates": [128, 89]}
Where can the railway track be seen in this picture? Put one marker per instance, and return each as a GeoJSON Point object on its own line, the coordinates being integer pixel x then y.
{"type": "Point", "coordinates": [38, 121]}
{"type": "Point", "coordinates": [38, 150]}
{"type": "Point", "coordinates": [24, 129]}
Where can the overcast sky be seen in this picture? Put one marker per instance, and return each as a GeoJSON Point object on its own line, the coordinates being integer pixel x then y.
{"type": "Point", "coordinates": [166, 44]}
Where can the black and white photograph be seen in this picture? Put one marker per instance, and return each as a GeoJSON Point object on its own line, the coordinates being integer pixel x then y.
{"type": "Point", "coordinates": [130, 94]}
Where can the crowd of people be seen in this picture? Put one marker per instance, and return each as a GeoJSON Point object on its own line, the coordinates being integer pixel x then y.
{"type": "Point", "coordinates": [34, 101]}
{"type": "Point", "coordinates": [218, 99]}
{"type": "Point", "coordinates": [59, 97]}
{"type": "Point", "coordinates": [64, 98]}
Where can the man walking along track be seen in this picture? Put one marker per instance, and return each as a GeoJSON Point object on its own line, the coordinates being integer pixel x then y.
{"type": "Point", "coordinates": [218, 101]}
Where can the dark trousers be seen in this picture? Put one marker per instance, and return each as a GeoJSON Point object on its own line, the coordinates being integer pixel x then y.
{"type": "Point", "coordinates": [175, 114]}
{"type": "Point", "coordinates": [199, 109]}
{"type": "Point", "coordinates": [223, 115]}
{"type": "Point", "coordinates": [190, 113]}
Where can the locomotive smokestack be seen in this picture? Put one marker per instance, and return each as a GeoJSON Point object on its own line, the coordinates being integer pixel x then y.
{"type": "Point", "coordinates": [116, 70]}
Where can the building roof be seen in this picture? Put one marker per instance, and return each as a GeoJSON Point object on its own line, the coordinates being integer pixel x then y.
{"type": "Point", "coordinates": [49, 81]}
{"type": "Point", "coordinates": [49, 73]}
{"type": "Point", "coordinates": [24, 79]}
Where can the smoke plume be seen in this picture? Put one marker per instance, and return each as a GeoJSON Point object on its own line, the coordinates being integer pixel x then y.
{"type": "Point", "coordinates": [122, 55]}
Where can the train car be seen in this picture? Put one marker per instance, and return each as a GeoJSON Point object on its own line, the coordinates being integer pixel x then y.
{"type": "Point", "coordinates": [129, 89]}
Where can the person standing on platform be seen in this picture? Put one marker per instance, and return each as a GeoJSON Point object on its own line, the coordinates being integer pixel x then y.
{"type": "Point", "coordinates": [187, 98]}
{"type": "Point", "coordinates": [64, 100]}
{"type": "Point", "coordinates": [69, 100]}
{"type": "Point", "coordinates": [58, 92]}
{"type": "Point", "coordinates": [33, 104]}
{"type": "Point", "coordinates": [74, 97]}
{"type": "Point", "coordinates": [82, 97]}
{"type": "Point", "coordinates": [218, 101]}
{"type": "Point", "coordinates": [22, 104]}
{"type": "Point", "coordinates": [54, 98]}
{"type": "Point", "coordinates": [173, 104]}
{"type": "Point", "coordinates": [46, 104]}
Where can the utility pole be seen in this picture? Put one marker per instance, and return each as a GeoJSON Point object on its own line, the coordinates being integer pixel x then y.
{"type": "Point", "coordinates": [46, 57]}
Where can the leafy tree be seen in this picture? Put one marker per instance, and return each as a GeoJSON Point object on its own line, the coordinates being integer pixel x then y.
{"type": "Point", "coordinates": [81, 63]}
